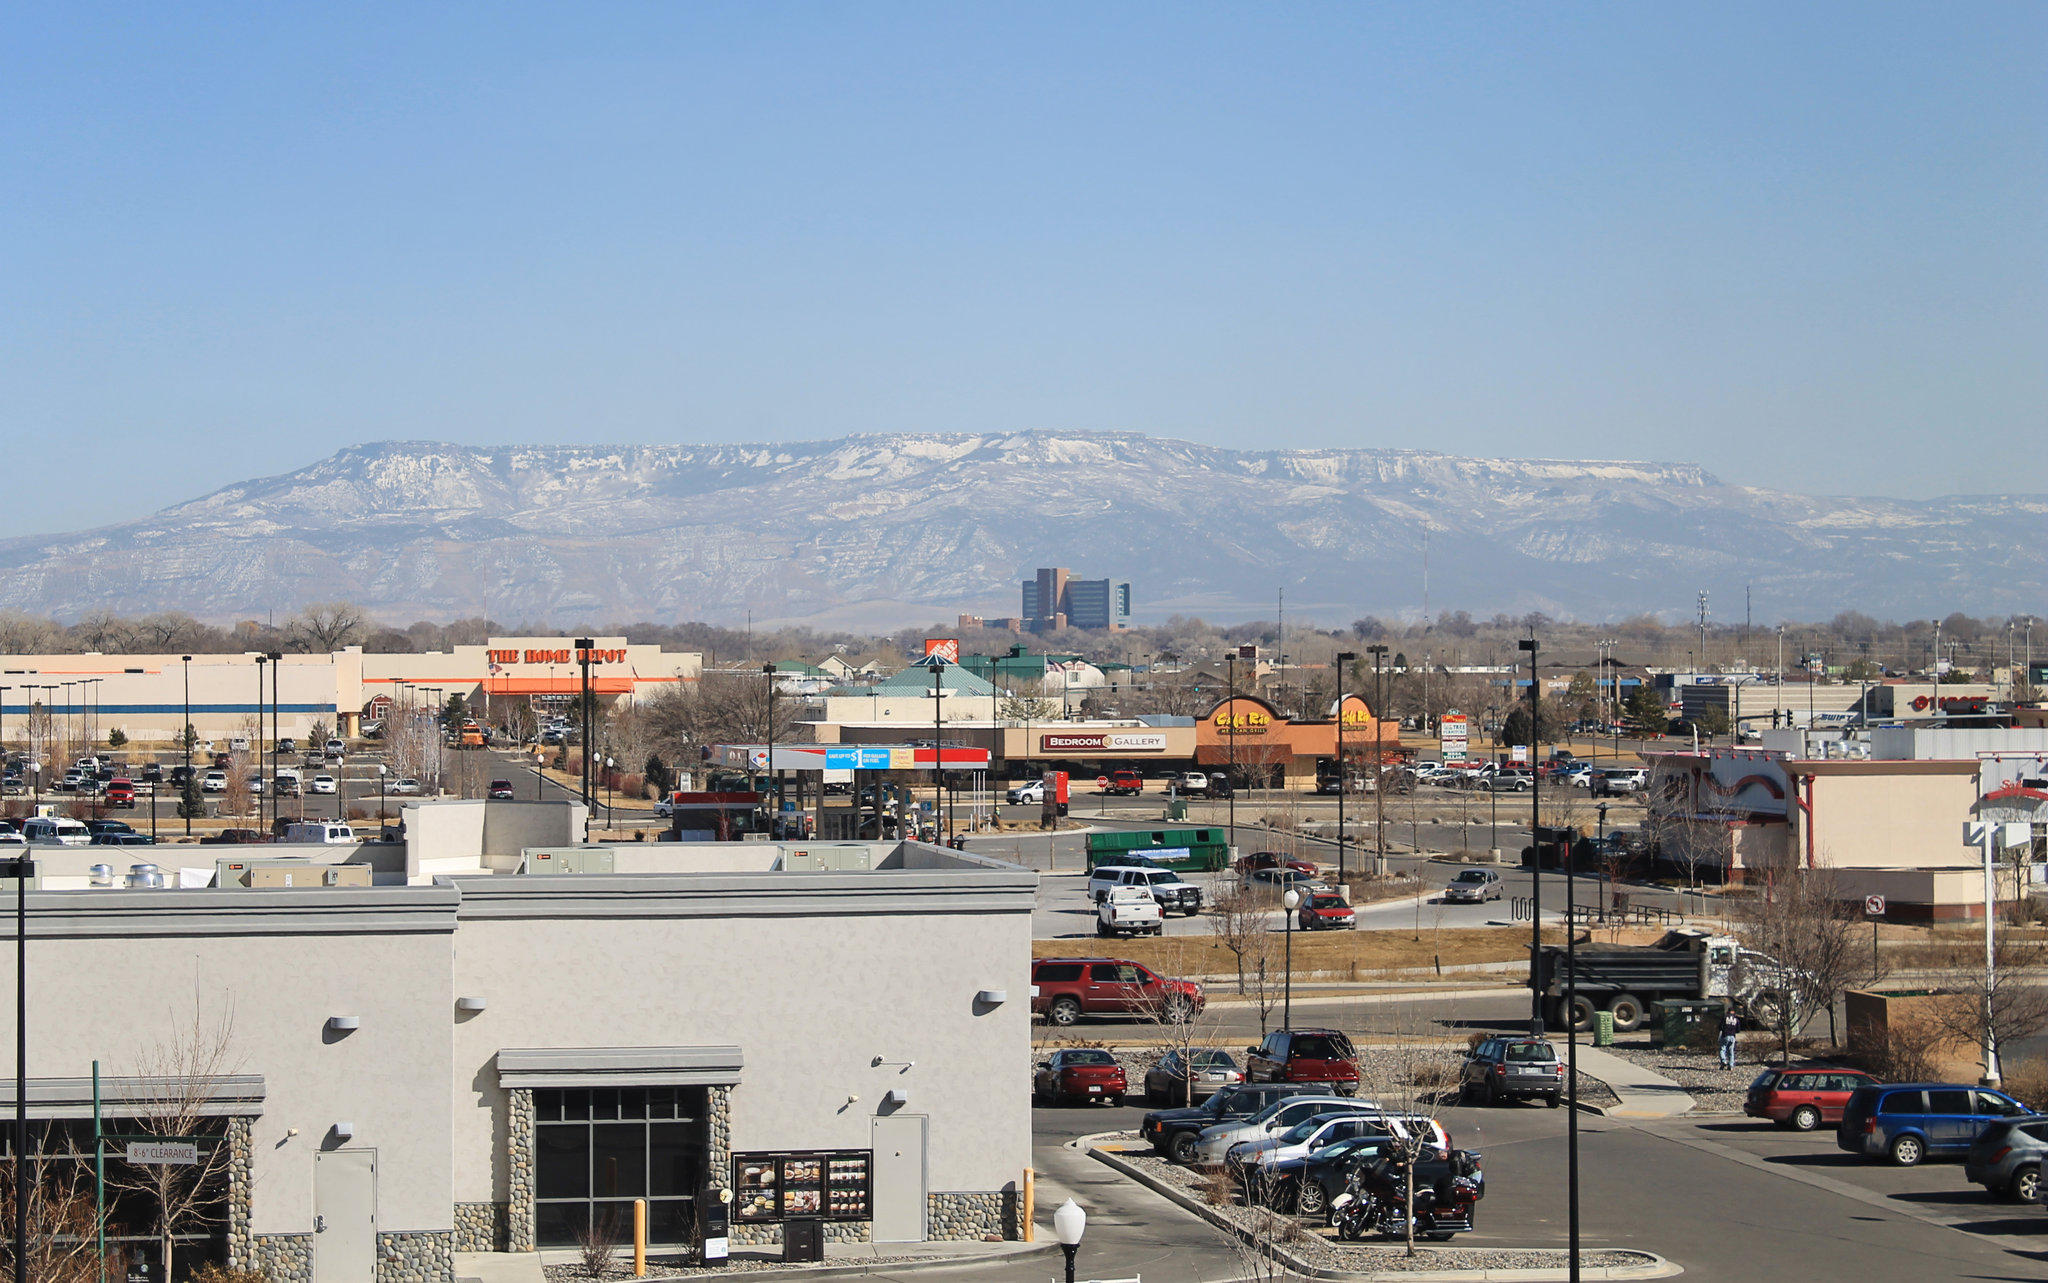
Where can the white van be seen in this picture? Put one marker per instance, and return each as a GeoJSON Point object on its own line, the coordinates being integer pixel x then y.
{"type": "Point", "coordinates": [326, 834]}
{"type": "Point", "coordinates": [52, 830]}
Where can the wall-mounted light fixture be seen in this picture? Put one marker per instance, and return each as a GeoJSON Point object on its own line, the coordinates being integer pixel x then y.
{"type": "Point", "coordinates": [344, 1131]}
{"type": "Point", "coordinates": [992, 997]}
{"type": "Point", "coordinates": [344, 1024]}
{"type": "Point", "coordinates": [471, 1004]}
{"type": "Point", "coordinates": [895, 1098]}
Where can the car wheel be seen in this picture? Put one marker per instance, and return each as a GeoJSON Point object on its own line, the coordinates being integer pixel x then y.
{"type": "Point", "coordinates": [1102, 932]}
{"type": "Point", "coordinates": [1191, 912]}
{"type": "Point", "coordinates": [1553, 1100]}
{"type": "Point", "coordinates": [1178, 1010]}
{"type": "Point", "coordinates": [1310, 1199]}
{"type": "Point", "coordinates": [1113, 1101]}
{"type": "Point", "coordinates": [2025, 1186]}
{"type": "Point", "coordinates": [1182, 1150]}
{"type": "Point", "coordinates": [1439, 1236]}
{"type": "Point", "coordinates": [1627, 1010]}
{"type": "Point", "coordinates": [1907, 1151]}
{"type": "Point", "coordinates": [1064, 1011]}
{"type": "Point", "coordinates": [1155, 1098]}
{"type": "Point", "coordinates": [1805, 1118]}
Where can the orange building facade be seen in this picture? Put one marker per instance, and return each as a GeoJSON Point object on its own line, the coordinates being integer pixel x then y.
{"type": "Point", "coordinates": [1249, 736]}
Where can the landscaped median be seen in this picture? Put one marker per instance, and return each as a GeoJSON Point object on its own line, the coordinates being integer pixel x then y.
{"type": "Point", "coordinates": [1314, 1251]}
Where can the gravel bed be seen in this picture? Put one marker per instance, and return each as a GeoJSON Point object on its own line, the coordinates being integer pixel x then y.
{"type": "Point", "coordinates": [1714, 1090]}
{"type": "Point", "coordinates": [1317, 1245]}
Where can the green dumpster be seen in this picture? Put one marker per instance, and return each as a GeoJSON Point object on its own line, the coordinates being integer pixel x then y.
{"type": "Point", "coordinates": [1690, 1023]}
{"type": "Point", "coordinates": [1603, 1029]}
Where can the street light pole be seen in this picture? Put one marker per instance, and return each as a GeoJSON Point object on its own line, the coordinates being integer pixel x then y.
{"type": "Point", "coordinates": [1536, 858]}
{"type": "Point", "coordinates": [774, 778]}
{"type": "Point", "coordinates": [1345, 659]}
{"type": "Point", "coordinates": [584, 645]}
{"type": "Point", "coordinates": [1290, 901]}
{"type": "Point", "coordinates": [256, 749]}
{"type": "Point", "coordinates": [1571, 1000]}
{"type": "Point", "coordinates": [938, 742]}
{"type": "Point", "coordinates": [24, 868]}
{"type": "Point", "coordinates": [1379, 760]}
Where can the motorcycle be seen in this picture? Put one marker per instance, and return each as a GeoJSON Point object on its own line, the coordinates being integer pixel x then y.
{"type": "Point", "coordinates": [1374, 1200]}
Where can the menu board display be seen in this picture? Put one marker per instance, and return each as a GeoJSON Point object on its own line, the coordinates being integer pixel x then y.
{"type": "Point", "coordinates": [832, 1185]}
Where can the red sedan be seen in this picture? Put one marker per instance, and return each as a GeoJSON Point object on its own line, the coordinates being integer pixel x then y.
{"type": "Point", "coordinates": [1258, 860]}
{"type": "Point", "coordinates": [1325, 911]}
{"type": "Point", "coordinates": [1080, 1074]}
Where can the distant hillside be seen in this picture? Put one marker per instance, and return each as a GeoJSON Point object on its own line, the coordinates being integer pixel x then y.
{"type": "Point", "coordinates": [882, 531]}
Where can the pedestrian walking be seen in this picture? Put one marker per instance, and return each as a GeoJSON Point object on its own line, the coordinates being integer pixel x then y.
{"type": "Point", "coordinates": [1730, 1026]}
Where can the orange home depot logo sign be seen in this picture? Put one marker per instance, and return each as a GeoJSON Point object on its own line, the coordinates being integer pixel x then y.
{"type": "Point", "coordinates": [572, 655]}
{"type": "Point", "coordinates": [946, 648]}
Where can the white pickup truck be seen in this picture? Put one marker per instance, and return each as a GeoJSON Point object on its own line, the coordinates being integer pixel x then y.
{"type": "Point", "coordinates": [1129, 911]}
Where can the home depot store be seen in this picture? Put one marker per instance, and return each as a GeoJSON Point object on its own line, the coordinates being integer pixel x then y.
{"type": "Point", "coordinates": [542, 672]}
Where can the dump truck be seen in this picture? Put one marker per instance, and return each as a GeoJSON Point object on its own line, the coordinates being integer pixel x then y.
{"type": "Point", "coordinates": [1625, 979]}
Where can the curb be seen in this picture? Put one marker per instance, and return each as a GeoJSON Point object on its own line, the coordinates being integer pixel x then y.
{"type": "Point", "coordinates": [1655, 1267]}
{"type": "Point", "coordinates": [1022, 1251]}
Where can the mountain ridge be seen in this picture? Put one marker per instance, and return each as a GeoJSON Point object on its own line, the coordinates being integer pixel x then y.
{"type": "Point", "coordinates": [885, 530]}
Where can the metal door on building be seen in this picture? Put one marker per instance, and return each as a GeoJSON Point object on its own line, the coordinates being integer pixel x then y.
{"type": "Point", "coordinates": [899, 1178]}
{"type": "Point", "coordinates": [345, 1216]}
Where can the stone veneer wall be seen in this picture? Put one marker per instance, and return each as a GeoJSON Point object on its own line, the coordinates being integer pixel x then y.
{"type": "Point", "coordinates": [972, 1216]}
{"type": "Point", "coordinates": [241, 1187]}
{"type": "Point", "coordinates": [483, 1227]}
{"type": "Point", "coordinates": [284, 1258]}
{"type": "Point", "coordinates": [420, 1256]}
{"type": "Point", "coordinates": [519, 1160]}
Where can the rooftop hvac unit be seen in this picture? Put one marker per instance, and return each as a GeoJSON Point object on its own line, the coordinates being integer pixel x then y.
{"type": "Point", "coordinates": [828, 857]}
{"type": "Point", "coordinates": [565, 859]}
{"type": "Point", "coordinates": [284, 871]}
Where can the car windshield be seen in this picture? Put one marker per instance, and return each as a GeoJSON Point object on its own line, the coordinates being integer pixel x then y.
{"type": "Point", "coordinates": [1326, 902]}
{"type": "Point", "coordinates": [1322, 1046]}
{"type": "Point", "coordinates": [1213, 1060]}
{"type": "Point", "coordinates": [1470, 875]}
{"type": "Point", "coordinates": [1090, 1058]}
{"type": "Point", "coordinates": [1526, 1052]}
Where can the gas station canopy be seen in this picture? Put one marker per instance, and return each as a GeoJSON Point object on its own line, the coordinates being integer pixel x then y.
{"type": "Point", "coordinates": [849, 757]}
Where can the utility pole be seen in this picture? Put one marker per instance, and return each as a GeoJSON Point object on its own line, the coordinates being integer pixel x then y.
{"type": "Point", "coordinates": [1343, 661]}
{"type": "Point", "coordinates": [1379, 758]}
{"type": "Point", "coordinates": [1536, 862]}
{"type": "Point", "coordinates": [1703, 629]}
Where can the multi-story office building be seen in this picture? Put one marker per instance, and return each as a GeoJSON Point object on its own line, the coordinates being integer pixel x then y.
{"type": "Point", "coordinates": [1054, 599]}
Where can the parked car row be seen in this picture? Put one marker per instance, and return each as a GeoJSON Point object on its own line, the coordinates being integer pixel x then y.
{"type": "Point", "coordinates": [2003, 1143]}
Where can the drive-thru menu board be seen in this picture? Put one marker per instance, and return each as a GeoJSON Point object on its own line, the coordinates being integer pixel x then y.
{"type": "Point", "coordinates": [830, 1184]}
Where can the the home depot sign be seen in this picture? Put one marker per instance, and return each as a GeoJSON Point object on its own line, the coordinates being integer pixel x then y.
{"type": "Point", "coordinates": [570, 655]}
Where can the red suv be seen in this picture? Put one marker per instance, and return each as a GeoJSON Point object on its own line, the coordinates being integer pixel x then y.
{"type": "Point", "coordinates": [121, 792]}
{"type": "Point", "coordinates": [1065, 989]}
{"type": "Point", "coordinates": [1803, 1099]}
{"type": "Point", "coordinates": [1311, 1057]}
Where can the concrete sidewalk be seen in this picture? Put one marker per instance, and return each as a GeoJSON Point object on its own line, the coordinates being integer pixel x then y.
{"type": "Point", "coordinates": [1642, 1093]}
{"type": "Point", "coordinates": [840, 1259]}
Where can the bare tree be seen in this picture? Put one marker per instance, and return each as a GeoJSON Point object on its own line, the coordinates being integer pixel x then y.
{"type": "Point", "coordinates": [62, 1211]}
{"type": "Point", "coordinates": [1805, 921]}
{"type": "Point", "coordinates": [719, 708]}
{"type": "Point", "coordinates": [170, 1097]}
{"type": "Point", "coordinates": [1240, 921]}
{"type": "Point", "coordinates": [1998, 1003]}
{"type": "Point", "coordinates": [327, 626]}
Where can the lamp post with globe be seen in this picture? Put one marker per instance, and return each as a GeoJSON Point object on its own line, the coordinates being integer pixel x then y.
{"type": "Point", "coordinates": [1069, 1223]}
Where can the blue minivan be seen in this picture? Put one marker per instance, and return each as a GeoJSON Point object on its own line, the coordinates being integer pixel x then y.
{"type": "Point", "coordinates": [1906, 1122]}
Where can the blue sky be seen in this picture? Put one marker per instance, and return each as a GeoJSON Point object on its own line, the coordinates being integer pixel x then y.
{"type": "Point", "coordinates": [1801, 245]}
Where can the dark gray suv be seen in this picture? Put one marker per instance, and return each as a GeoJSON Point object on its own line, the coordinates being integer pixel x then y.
{"type": "Point", "coordinates": [1501, 1069]}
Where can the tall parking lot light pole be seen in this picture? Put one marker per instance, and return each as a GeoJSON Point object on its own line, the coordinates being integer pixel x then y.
{"type": "Point", "coordinates": [938, 744]}
{"type": "Point", "coordinates": [24, 869]}
{"type": "Point", "coordinates": [1379, 760]}
{"type": "Point", "coordinates": [276, 664]}
{"type": "Point", "coordinates": [1290, 902]}
{"type": "Point", "coordinates": [584, 645]}
{"type": "Point", "coordinates": [256, 749]}
{"type": "Point", "coordinates": [1536, 858]}
{"type": "Point", "coordinates": [1571, 1002]}
{"type": "Point", "coordinates": [774, 780]}
{"type": "Point", "coordinates": [1345, 659]}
